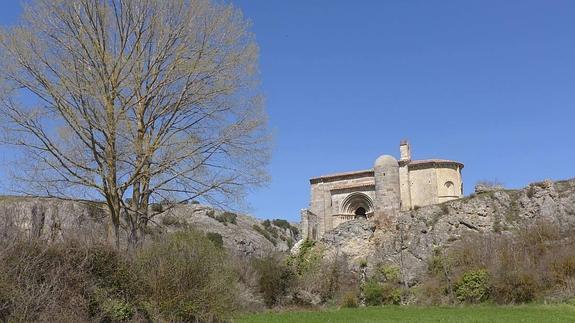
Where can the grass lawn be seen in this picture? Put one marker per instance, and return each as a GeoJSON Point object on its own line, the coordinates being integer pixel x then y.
{"type": "Point", "coordinates": [523, 313]}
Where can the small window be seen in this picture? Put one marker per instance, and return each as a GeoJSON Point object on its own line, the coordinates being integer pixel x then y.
{"type": "Point", "coordinates": [450, 188]}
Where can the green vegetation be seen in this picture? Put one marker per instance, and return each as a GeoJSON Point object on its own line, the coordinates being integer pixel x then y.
{"type": "Point", "coordinates": [172, 220]}
{"type": "Point", "coordinates": [224, 218]}
{"type": "Point", "coordinates": [275, 279]}
{"type": "Point", "coordinates": [284, 224]}
{"type": "Point", "coordinates": [272, 233]}
{"type": "Point", "coordinates": [216, 239]}
{"type": "Point", "coordinates": [473, 287]}
{"type": "Point", "coordinates": [265, 233]}
{"type": "Point", "coordinates": [306, 258]}
{"type": "Point", "coordinates": [503, 314]}
{"type": "Point", "coordinates": [187, 278]}
{"type": "Point", "coordinates": [537, 263]}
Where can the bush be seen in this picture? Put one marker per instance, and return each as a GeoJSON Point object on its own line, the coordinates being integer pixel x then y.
{"type": "Point", "coordinates": [275, 279]}
{"type": "Point", "coordinates": [473, 286]}
{"type": "Point", "coordinates": [349, 300]}
{"type": "Point", "coordinates": [65, 282]}
{"type": "Point", "coordinates": [388, 273]}
{"type": "Point", "coordinates": [392, 295]}
{"type": "Point", "coordinates": [172, 220]}
{"type": "Point", "coordinates": [515, 287]}
{"type": "Point", "coordinates": [306, 259]}
{"type": "Point", "coordinates": [224, 218]}
{"type": "Point", "coordinates": [227, 217]}
{"type": "Point", "coordinates": [264, 233]}
{"type": "Point", "coordinates": [285, 225]}
{"type": "Point", "coordinates": [373, 293]}
{"type": "Point", "coordinates": [158, 208]}
{"type": "Point", "coordinates": [216, 239]}
{"type": "Point", "coordinates": [188, 278]}
{"type": "Point", "coordinates": [536, 262]}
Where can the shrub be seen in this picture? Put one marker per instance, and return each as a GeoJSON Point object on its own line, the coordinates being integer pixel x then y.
{"type": "Point", "coordinates": [531, 191]}
{"type": "Point", "coordinates": [158, 208]}
{"type": "Point", "coordinates": [473, 286]}
{"type": "Point", "coordinates": [388, 273]}
{"type": "Point", "coordinates": [188, 278]}
{"type": "Point", "coordinates": [224, 218]}
{"type": "Point", "coordinates": [284, 224]}
{"type": "Point", "coordinates": [515, 287]}
{"type": "Point", "coordinates": [264, 233]}
{"type": "Point", "coordinates": [373, 293]}
{"type": "Point", "coordinates": [65, 282]}
{"type": "Point", "coordinates": [227, 217]}
{"type": "Point", "coordinates": [349, 300]}
{"type": "Point", "coordinates": [275, 279]}
{"type": "Point", "coordinates": [216, 239]}
{"type": "Point", "coordinates": [392, 295]}
{"type": "Point", "coordinates": [306, 259]}
{"type": "Point", "coordinates": [269, 228]}
{"type": "Point", "coordinates": [444, 208]}
{"type": "Point", "coordinates": [169, 219]}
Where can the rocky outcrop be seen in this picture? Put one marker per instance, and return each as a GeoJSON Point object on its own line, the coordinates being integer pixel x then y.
{"type": "Point", "coordinates": [245, 235]}
{"type": "Point", "coordinates": [52, 219]}
{"type": "Point", "coordinates": [413, 237]}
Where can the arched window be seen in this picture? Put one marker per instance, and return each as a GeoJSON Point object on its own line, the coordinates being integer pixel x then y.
{"type": "Point", "coordinates": [450, 188]}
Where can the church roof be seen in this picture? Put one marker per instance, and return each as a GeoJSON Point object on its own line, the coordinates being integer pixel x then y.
{"type": "Point", "coordinates": [369, 172]}
{"type": "Point", "coordinates": [434, 162]}
{"type": "Point", "coordinates": [357, 173]}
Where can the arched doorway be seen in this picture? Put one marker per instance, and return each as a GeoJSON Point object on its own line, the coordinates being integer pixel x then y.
{"type": "Point", "coordinates": [358, 205]}
{"type": "Point", "coordinates": [360, 212]}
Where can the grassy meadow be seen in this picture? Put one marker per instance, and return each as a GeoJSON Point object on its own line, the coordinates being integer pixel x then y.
{"type": "Point", "coordinates": [521, 313]}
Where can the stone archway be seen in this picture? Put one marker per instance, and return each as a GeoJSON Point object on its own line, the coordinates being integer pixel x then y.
{"type": "Point", "coordinates": [358, 205]}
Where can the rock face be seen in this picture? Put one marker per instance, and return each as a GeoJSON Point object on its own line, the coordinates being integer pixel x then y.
{"type": "Point", "coordinates": [53, 219]}
{"type": "Point", "coordinates": [414, 235]}
{"type": "Point", "coordinates": [242, 234]}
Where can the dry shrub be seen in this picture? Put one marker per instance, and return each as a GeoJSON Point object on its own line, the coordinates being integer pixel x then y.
{"type": "Point", "coordinates": [321, 278]}
{"type": "Point", "coordinates": [188, 278]}
{"type": "Point", "coordinates": [181, 278]}
{"type": "Point", "coordinates": [64, 282]}
{"type": "Point", "coordinates": [275, 279]}
{"type": "Point", "coordinates": [349, 300]}
{"type": "Point", "coordinates": [524, 267]}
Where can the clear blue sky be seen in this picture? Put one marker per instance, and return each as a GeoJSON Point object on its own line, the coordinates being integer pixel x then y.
{"type": "Point", "coordinates": [487, 83]}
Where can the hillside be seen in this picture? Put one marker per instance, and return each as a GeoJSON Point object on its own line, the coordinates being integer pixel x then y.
{"type": "Point", "coordinates": [52, 219]}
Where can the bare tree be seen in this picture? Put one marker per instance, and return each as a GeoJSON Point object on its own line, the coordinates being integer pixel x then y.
{"type": "Point", "coordinates": [134, 99]}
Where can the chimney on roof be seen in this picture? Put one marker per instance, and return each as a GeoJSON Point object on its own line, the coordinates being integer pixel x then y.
{"type": "Point", "coordinates": [404, 150]}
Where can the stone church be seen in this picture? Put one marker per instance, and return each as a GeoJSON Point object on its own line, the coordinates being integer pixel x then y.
{"type": "Point", "coordinates": [382, 191]}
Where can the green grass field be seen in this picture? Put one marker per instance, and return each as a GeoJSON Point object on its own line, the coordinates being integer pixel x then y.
{"type": "Point", "coordinates": [524, 313]}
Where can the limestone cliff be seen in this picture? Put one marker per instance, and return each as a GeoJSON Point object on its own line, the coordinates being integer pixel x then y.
{"type": "Point", "coordinates": [411, 239]}
{"type": "Point", "coordinates": [53, 219]}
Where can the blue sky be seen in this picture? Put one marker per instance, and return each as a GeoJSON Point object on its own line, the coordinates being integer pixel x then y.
{"type": "Point", "coordinates": [487, 83]}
